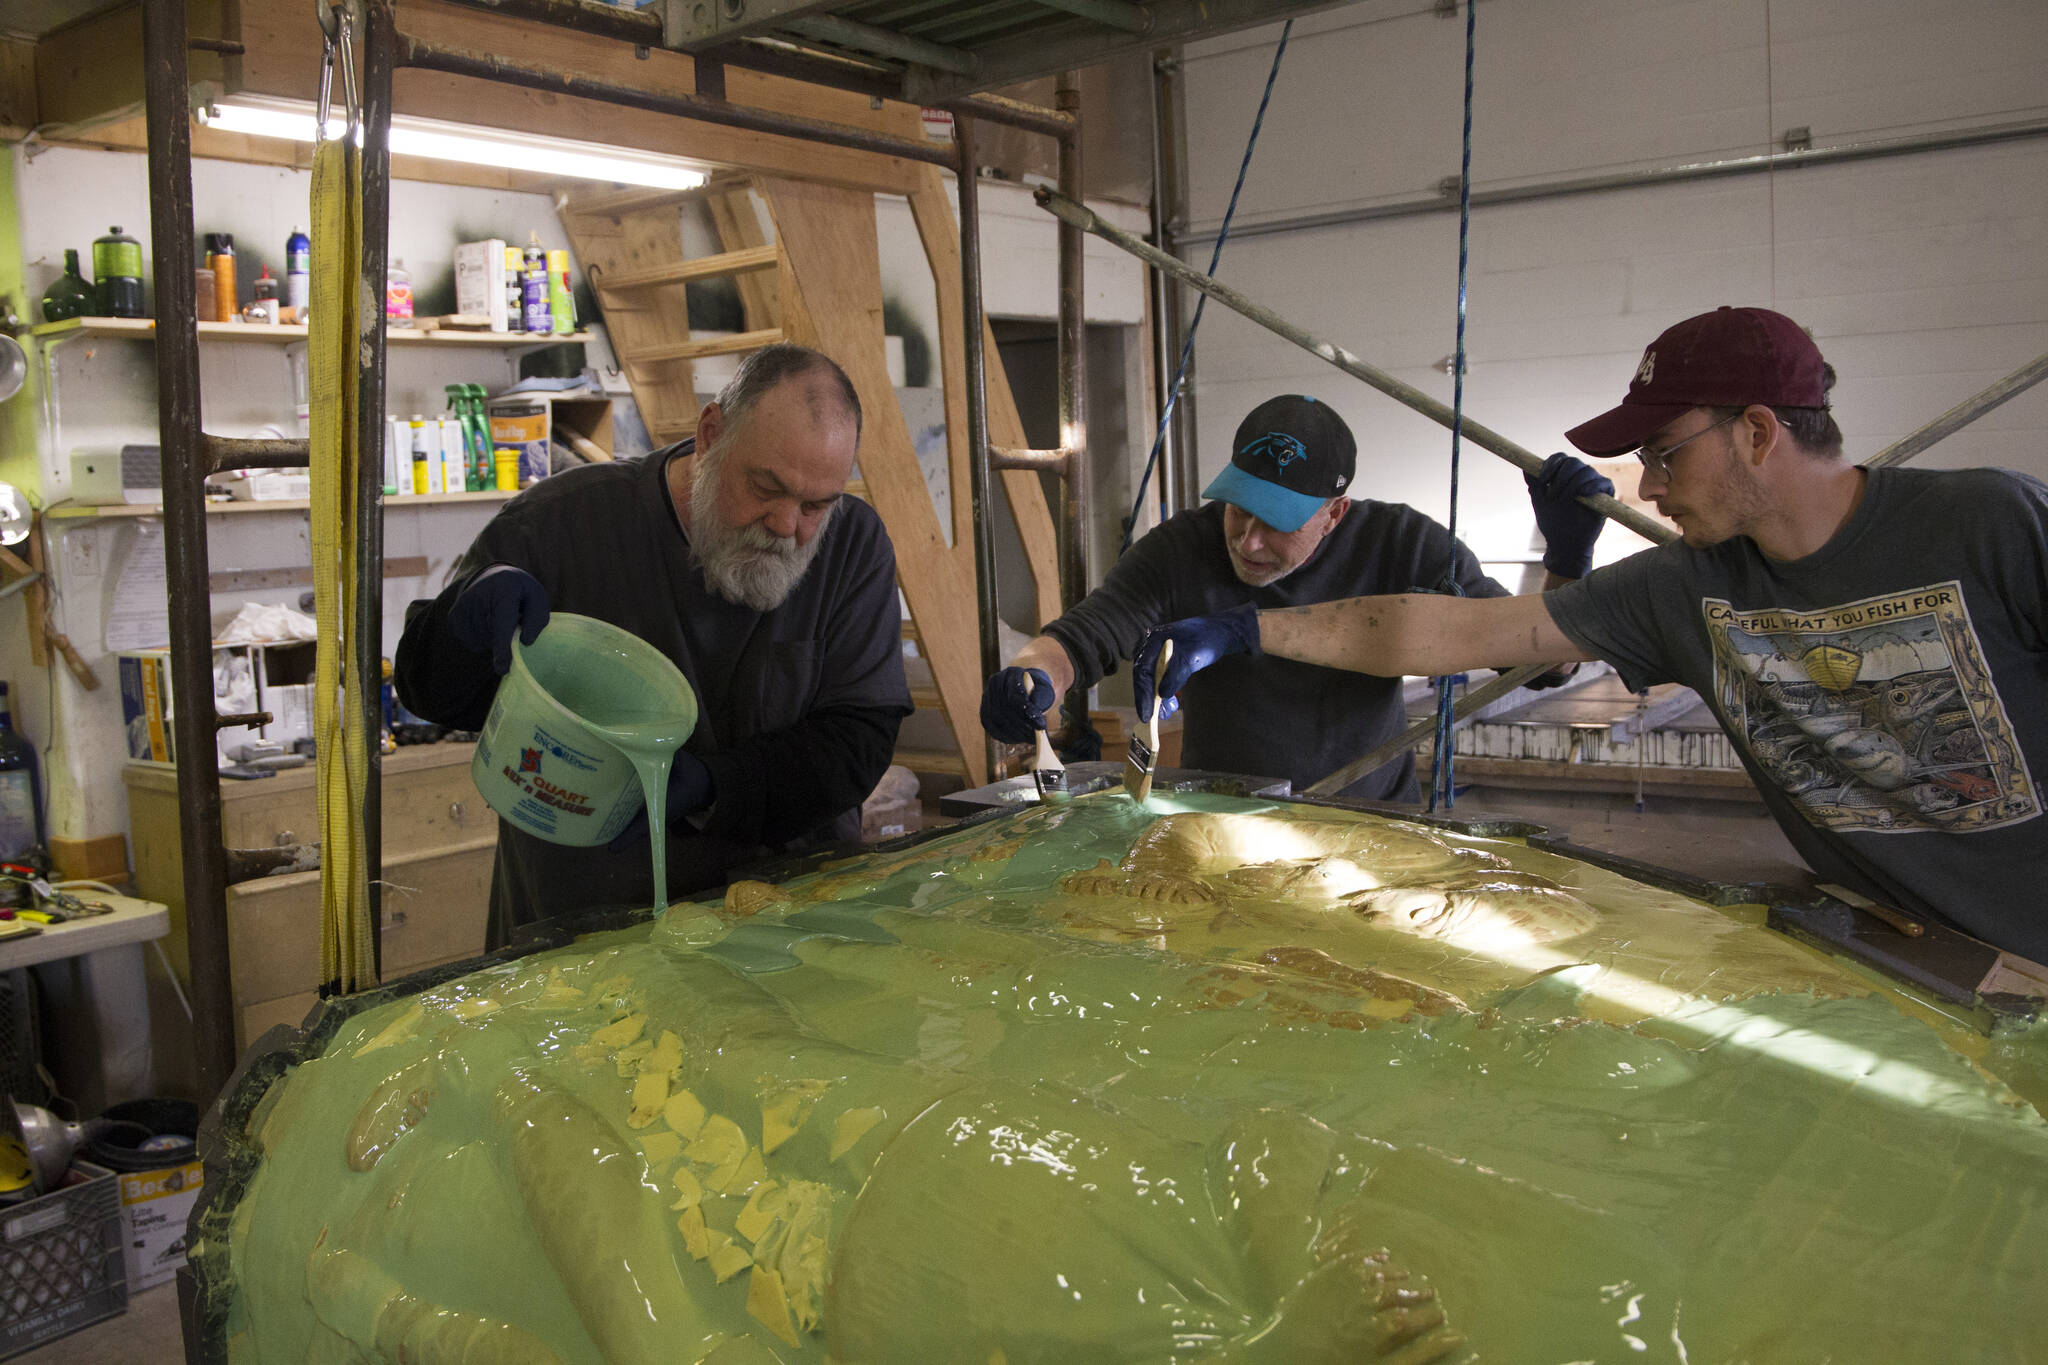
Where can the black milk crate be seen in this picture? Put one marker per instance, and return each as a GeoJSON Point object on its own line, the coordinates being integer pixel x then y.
{"type": "Point", "coordinates": [60, 1260]}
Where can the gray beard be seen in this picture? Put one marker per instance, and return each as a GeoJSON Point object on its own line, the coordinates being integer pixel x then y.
{"type": "Point", "coordinates": [743, 564]}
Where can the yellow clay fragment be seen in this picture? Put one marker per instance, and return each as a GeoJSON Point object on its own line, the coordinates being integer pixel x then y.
{"type": "Point", "coordinates": [719, 1144]}
{"type": "Point", "coordinates": [784, 1112]}
{"type": "Point", "coordinates": [696, 1238]}
{"type": "Point", "coordinates": [728, 1260]}
{"type": "Point", "coordinates": [662, 1146]}
{"type": "Point", "coordinates": [767, 1305]}
{"type": "Point", "coordinates": [476, 1007]}
{"type": "Point", "coordinates": [685, 1113]}
{"type": "Point", "coordinates": [650, 1096]}
{"type": "Point", "coordinates": [689, 1191]}
{"type": "Point", "coordinates": [760, 1213]}
{"type": "Point", "coordinates": [397, 1031]}
{"type": "Point", "coordinates": [853, 1125]}
{"type": "Point", "coordinates": [744, 1175]}
{"type": "Point", "coordinates": [558, 991]}
{"type": "Point", "coordinates": [620, 1032]}
{"type": "Point", "coordinates": [628, 1058]}
{"type": "Point", "coordinates": [665, 1056]}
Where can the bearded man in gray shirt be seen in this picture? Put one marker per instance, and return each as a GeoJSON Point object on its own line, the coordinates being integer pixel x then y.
{"type": "Point", "coordinates": [737, 556]}
{"type": "Point", "coordinates": [1283, 530]}
{"type": "Point", "coordinates": [1874, 641]}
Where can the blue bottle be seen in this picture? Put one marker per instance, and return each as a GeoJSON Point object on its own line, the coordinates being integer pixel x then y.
{"type": "Point", "coordinates": [21, 793]}
{"type": "Point", "coordinates": [298, 271]}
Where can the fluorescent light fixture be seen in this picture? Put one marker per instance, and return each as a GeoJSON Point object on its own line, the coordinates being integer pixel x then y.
{"type": "Point", "coordinates": [293, 121]}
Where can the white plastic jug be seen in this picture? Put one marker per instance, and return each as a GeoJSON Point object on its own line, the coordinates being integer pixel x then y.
{"type": "Point", "coordinates": [584, 710]}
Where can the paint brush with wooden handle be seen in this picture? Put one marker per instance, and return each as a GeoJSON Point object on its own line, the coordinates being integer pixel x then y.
{"type": "Point", "coordinates": [1049, 773]}
{"type": "Point", "coordinates": [1145, 748]}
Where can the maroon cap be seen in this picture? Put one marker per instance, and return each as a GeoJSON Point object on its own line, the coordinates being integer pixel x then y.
{"type": "Point", "coordinates": [1731, 357]}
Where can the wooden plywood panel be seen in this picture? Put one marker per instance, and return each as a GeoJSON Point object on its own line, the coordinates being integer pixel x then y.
{"type": "Point", "coordinates": [828, 239]}
{"type": "Point", "coordinates": [931, 208]}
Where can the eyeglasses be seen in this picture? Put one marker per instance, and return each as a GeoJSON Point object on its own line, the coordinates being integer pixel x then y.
{"type": "Point", "coordinates": [1658, 462]}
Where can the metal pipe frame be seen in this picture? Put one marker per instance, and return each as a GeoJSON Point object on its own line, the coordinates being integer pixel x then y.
{"type": "Point", "coordinates": [1961, 415]}
{"type": "Point", "coordinates": [1044, 461]}
{"type": "Point", "coordinates": [1447, 201]}
{"type": "Point", "coordinates": [1073, 379]}
{"type": "Point", "coordinates": [1179, 485]}
{"type": "Point", "coordinates": [980, 477]}
{"type": "Point", "coordinates": [191, 613]}
{"type": "Point", "coordinates": [1068, 210]}
{"type": "Point", "coordinates": [232, 452]}
{"type": "Point", "coordinates": [367, 630]}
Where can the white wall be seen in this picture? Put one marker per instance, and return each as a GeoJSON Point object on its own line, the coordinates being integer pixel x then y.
{"type": "Point", "coordinates": [1924, 276]}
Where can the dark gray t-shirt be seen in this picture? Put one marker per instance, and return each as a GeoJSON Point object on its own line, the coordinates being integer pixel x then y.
{"type": "Point", "coordinates": [798, 707]}
{"type": "Point", "coordinates": [1267, 716]}
{"type": "Point", "coordinates": [1888, 693]}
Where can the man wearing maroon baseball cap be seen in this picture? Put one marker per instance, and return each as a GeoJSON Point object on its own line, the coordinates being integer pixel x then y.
{"type": "Point", "coordinates": [1873, 640]}
{"type": "Point", "coordinates": [1283, 530]}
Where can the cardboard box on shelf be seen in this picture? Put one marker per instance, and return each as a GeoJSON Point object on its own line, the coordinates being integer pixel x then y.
{"type": "Point", "coordinates": [528, 421]}
{"type": "Point", "coordinates": [480, 281]}
{"type": "Point", "coordinates": [154, 1207]}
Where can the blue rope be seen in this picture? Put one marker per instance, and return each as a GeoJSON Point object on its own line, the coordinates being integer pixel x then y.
{"type": "Point", "coordinates": [1441, 782]}
{"type": "Point", "coordinates": [1187, 349]}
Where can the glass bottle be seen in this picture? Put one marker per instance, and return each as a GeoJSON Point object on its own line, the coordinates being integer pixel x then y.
{"type": "Point", "coordinates": [69, 296]}
{"type": "Point", "coordinates": [21, 792]}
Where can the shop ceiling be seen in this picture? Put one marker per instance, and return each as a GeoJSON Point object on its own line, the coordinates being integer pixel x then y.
{"type": "Point", "coordinates": [34, 18]}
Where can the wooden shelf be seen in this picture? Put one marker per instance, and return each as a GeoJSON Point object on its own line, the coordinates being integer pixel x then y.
{"type": "Point", "coordinates": [285, 333]}
{"type": "Point", "coordinates": [65, 511]}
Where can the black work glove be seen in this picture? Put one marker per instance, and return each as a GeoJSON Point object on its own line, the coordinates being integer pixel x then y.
{"type": "Point", "coordinates": [1569, 527]}
{"type": "Point", "coordinates": [497, 602]}
{"type": "Point", "coordinates": [1014, 702]}
{"type": "Point", "coordinates": [1198, 642]}
{"type": "Point", "coordinates": [689, 791]}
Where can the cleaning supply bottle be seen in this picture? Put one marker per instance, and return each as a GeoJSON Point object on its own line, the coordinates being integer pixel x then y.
{"type": "Point", "coordinates": [561, 303]}
{"type": "Point", "coordinates": [220, 259]}
{"type": "Point", "coordinates": [68, 296]}
{"type": "Point", "coordinates": [534, 287]}
{"type": "Point", "coordinates": [397, 295]}
{"type": "Point", "coordinates": [264, 307]}
{"type": "Point", "coordinates": [117, 275]}
{"type": "Point", "coordinates": [515, 289]}
{"type": "Point", "coordinates": [426, 464]}
{"type": "Point", "coordinates": [298, 274]}
{"type": "Point", "coordinates": [21, 791]}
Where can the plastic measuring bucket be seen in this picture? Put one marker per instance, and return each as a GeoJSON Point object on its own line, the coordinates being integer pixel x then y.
{"type": "Point", "coordinates": [555, 756]}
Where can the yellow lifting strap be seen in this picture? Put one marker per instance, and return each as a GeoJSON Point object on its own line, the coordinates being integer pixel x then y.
{"type": "Point", "coordinates": [347, 954]}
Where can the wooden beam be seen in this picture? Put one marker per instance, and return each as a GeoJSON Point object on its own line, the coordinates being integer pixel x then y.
{"type": "Point", "coordinates": [17, 88]}
{"type": "Point", "coordinates": [739, 227]}
{"type": "Point", "coordinates": [702, 268]}
{"type": "Point", "coordinates": [737, 344]}
{"type": "Point", "coordinates": [931, 206]}
{"type": "Point", "coordinates": [90, 71]}
{"type": "Point", "coordinates": [281, 45]}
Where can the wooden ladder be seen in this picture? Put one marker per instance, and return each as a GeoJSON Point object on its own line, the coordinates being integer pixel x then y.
{"type": "Point", "coordinates": [818, 283]}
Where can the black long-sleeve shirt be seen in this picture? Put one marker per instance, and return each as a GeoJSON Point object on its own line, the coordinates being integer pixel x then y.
{"type": "Point", "coordinates": [1266, 716]}
{"type": "Point", "coordinates": [798, 707]}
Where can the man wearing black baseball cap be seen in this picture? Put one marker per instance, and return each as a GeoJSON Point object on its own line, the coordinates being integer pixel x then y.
{"type": "Point", "coordinates": [1282, 531]}
{"type": "Point", "coordinates": [1873, 640]}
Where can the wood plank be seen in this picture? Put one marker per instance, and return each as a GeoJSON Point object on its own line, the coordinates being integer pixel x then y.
{"type": "Point", "coordinates": [736, 344]}
{"type": "Point", "coordinates": [247, 580]}
{"type": "Point", "coordinates": [931, 207]}
{"type": "Point", "coordinates": [829, 243]}
{"type": "Point", "coordinates": [739, 228]}
{"type": "Point", "coordinates": [282, 57]}
{"type": "Point", "coordinates": [642, 241]}
{"type": "Point", "coordinates": [90, 71]}
{"type": "Point", "coordinates": [17, 88]}
{"type": "Point", "coordinates": [723, 265]}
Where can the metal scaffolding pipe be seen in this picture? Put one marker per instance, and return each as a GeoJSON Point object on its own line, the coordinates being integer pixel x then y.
{"type": "Point", "coordinates": [1483, 695]}
{"type": "Point", "coordinates": [489, 67]}
{"type": "Point", "coordinates": [1114, 13]}
{"type": "Point", "coordinates": [366, 631]}
{"type": "Point", "coordinates": [1447, 201]}
{"type": "Point", "coordinates": [830, 28]}
{"type": "Point", "coordinates": [1961, 415]}
{"type": "Point", "coordinates": [980, 479]}
{"type": "Point", "coordinates": [1073, 378]}
{"type": "Point", "coordinates": [1044, 461]}
{"type": "Point", "coordinates": [191, 612]}
{"type": "Point", "coordinates": [233, 452]}
{"type": "Point", "coordinates": [1067, 210]}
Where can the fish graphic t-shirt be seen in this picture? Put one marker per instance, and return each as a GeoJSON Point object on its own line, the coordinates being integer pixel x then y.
{"type": "Point", "coordinates": [1888, 693]}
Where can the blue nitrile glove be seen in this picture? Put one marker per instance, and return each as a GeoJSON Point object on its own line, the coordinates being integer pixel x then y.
{"type": "Point", "coordinates": [1197, 642]}
{"type": "Point", "coordinates": [1569, 527]}
{"type": "Point", "coordinates": [1014, 702]}
{"type": "Point", "coordinates": [689, 791]}
{"type": "Point", "coordinates": [497, 602]}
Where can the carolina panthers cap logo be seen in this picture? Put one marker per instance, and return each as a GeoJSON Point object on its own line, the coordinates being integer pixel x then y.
{"type": "Point", "coordinates": [1278, 447]}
